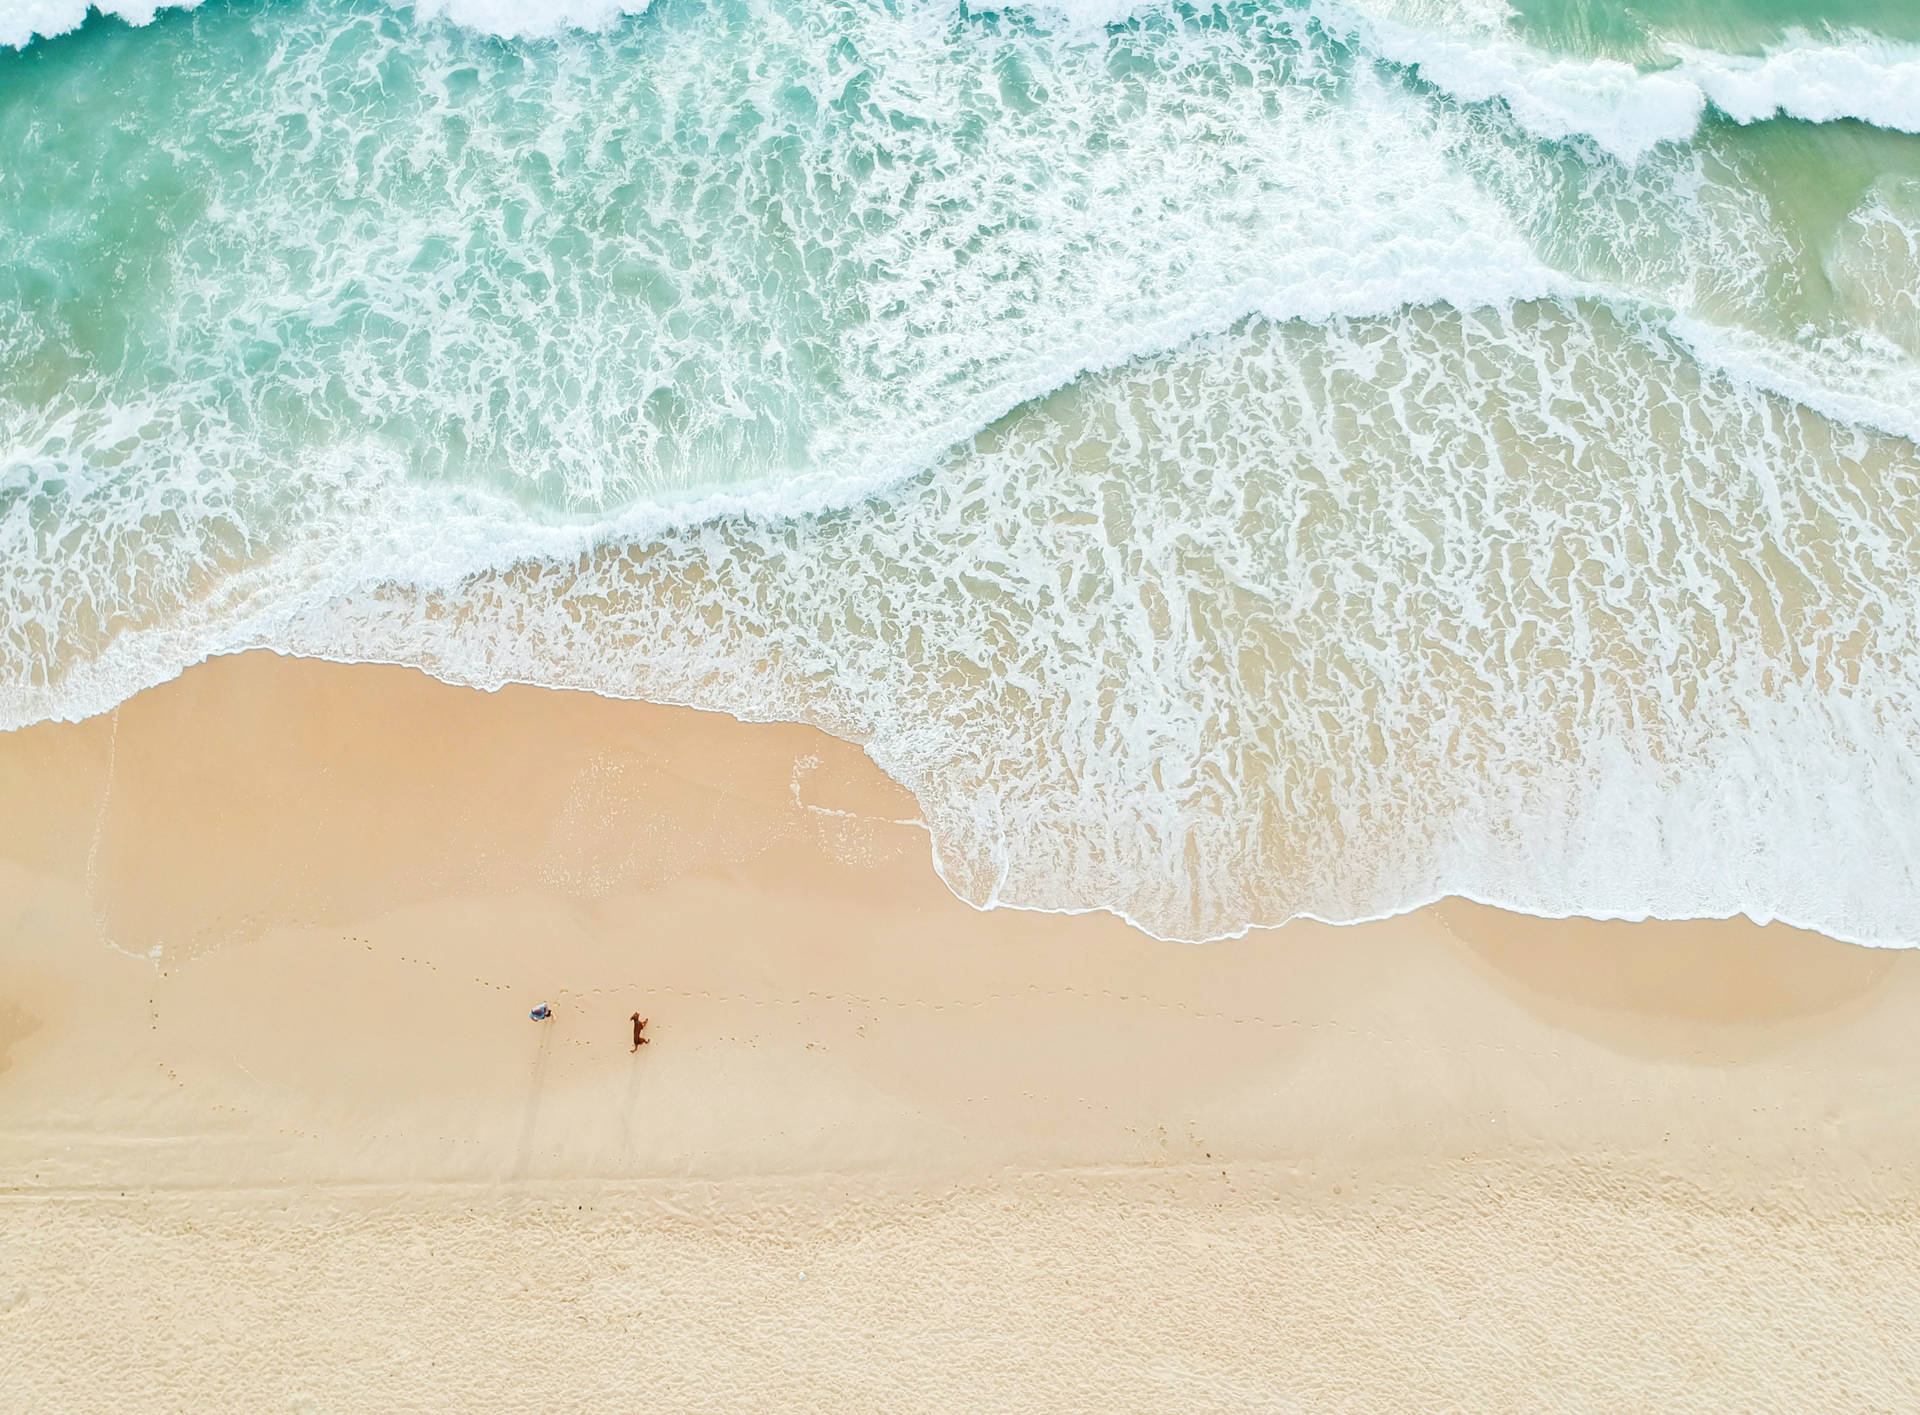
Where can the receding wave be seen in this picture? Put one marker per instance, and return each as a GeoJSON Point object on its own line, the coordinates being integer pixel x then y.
{"type": "Point", "coordinates": [1328, 619]}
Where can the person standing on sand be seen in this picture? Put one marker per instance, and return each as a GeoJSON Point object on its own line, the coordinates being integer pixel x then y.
{"type": "Point", "coordinates": [541, 1013]}
{"type": "Point", "coordinates": [639, 1026]}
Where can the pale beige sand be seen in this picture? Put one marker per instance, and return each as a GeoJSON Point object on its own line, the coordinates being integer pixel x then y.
{"type": "Point", "coordinates": [276, 1133]}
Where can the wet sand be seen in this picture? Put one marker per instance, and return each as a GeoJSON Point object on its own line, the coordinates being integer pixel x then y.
{"type": "Point", "coordinates": [276, 1131]}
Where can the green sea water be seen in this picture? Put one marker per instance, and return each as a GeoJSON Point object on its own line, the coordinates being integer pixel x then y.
{"type": "Point", "coordinates": [1645, 32]}
{"type": "Point", "coordinates": [1231, 462]}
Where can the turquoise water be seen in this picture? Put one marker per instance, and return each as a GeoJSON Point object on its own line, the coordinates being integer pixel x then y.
{"type": "Point", "coordinates": [1644, 33]}
{"type": "Point", "coordinates": [1230, 462]}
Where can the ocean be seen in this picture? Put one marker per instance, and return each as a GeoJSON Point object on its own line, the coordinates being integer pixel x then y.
{"type": "Point", "coordinates": [1231, 463]}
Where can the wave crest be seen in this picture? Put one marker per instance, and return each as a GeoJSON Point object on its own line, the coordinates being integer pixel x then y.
{"type": "Point", "coordinates": [1626, 111]}
{"type": "Point", "coordinates": [23, 21]}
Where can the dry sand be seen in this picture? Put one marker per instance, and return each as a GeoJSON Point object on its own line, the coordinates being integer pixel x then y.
{"type": "Point", "coordinates": [277, 1134]}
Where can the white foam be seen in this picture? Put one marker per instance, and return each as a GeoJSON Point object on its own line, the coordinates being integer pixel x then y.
{"type": "Point", "coordinates": [1868, 79]}
{"type": "Point", "coordinates": [1873, 264]}
{"type": "Point", "coordinates": [519, 19]}
{"type": "Point", "coordinates": [1461, 50]}
{"type": "Point", "coordinates": [1852, 377]}
{"type": "Point", "coordinates": [23, 21]}
{"type": "Point", "coordinates": [1627, 111]}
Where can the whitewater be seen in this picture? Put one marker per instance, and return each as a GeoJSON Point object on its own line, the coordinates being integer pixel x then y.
{"type": "Point", "coordinates": [1230, 463]}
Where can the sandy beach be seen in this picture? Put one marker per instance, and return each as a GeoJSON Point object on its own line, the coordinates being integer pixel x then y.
{"type": "Point", "coordinates": [1444, 463]}
{"type": "Point", "coordinates": [277, 1133]}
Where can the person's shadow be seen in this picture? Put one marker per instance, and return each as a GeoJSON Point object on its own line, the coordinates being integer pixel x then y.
{"type": "Point", "coordinates": [627, 1106]}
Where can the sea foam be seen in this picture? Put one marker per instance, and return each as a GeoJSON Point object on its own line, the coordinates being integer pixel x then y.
{"type": "Point", "coordinates": [1628, 111]}
{"type": "Point", "coordinates": [1865, 78]}
{"type": "Point", "coordinates": [23, 21]}
{"type": "Point", "coordinates": [1462, 49]}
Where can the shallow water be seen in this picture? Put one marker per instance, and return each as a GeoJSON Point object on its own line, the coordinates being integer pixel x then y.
{"type": "Point", "coordinates": [1230, 463]}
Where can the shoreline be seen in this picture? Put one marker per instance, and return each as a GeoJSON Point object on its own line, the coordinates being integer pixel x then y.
{"type": "Point", "coordinates": [1305, 917]}
{"type": "Point", "coordinates": [1329, 1146]}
